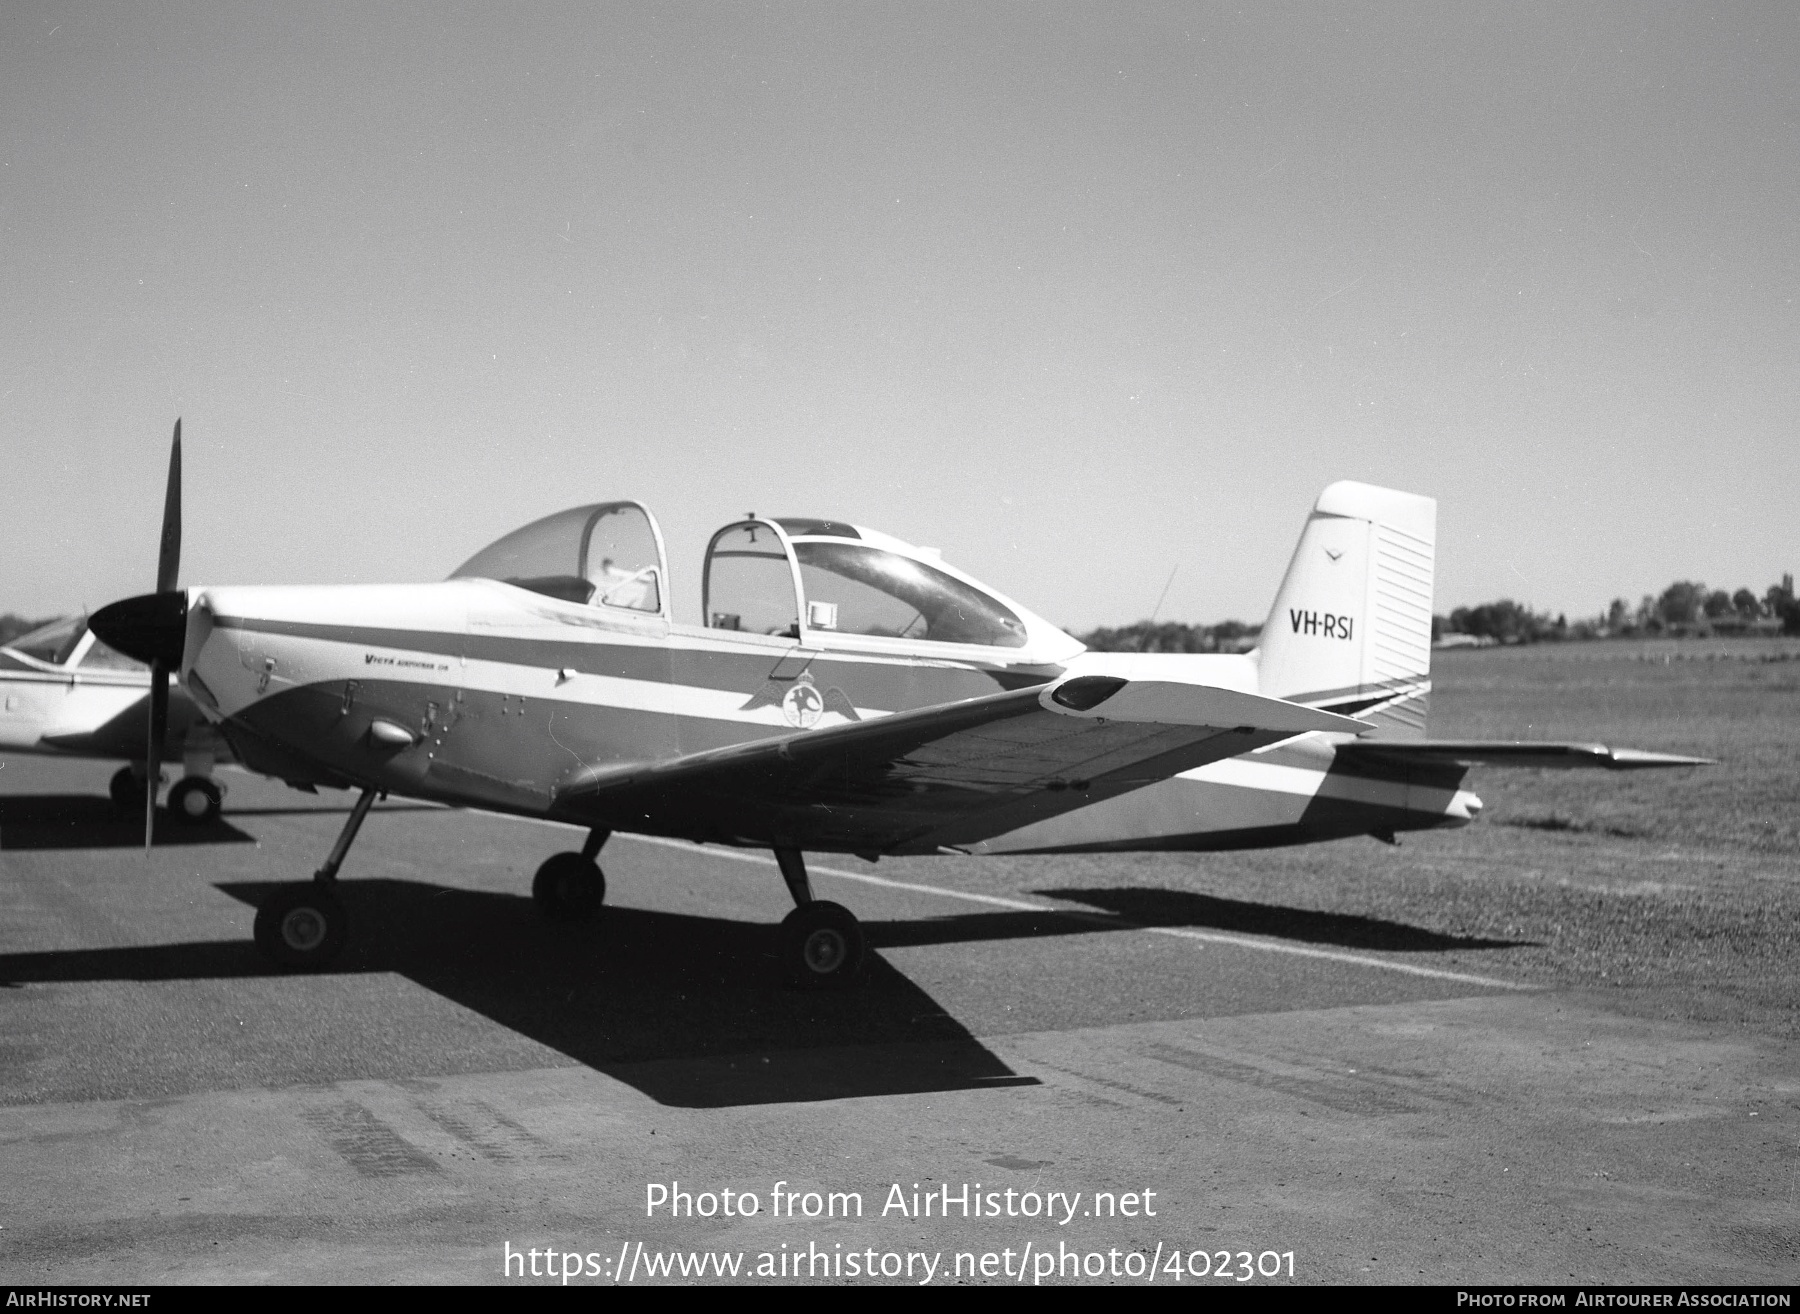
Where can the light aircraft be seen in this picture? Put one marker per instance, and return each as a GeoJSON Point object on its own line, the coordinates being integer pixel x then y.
{"type": "Point", "coordinates": [847, 692]}
{"type": "Point", "coordinates": [65, 692]}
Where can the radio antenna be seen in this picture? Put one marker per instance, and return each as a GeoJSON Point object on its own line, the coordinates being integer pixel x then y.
{"type": "Point", "coordinates": [1157, 610]}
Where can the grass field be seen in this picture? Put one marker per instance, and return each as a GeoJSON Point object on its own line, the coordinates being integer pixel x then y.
{"type": "Point", "coordinates": [1737, 701]}
{"type": "Point", "coordinates": [1677, 893]}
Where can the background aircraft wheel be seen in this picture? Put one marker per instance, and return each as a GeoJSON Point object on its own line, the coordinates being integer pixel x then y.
{"type": "Point", "coordinates": [822, 944]}
{"type": "Point", "coordinates": [127, 790]}
{"type": "Point", "coordinates": [569, 888]}
{"type": "Point", "coordinates": [195, 800]}
{"type": "Point", "coordinates": [302, 926]}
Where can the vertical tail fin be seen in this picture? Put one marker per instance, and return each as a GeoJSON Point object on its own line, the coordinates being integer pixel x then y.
{"type": "Point", "coordinates": [1351, 627]}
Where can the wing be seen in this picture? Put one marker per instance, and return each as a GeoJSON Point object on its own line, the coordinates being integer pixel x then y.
{"type": "Point", "coordinates": [941, 777]}
{"type": "Point", "coordinates": [1511, 753]}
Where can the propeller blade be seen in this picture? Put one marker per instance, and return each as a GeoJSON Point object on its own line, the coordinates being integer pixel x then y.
{"type": "Point", "coordinates": [159, 727]}
{"type": "Point", "coordinates": [168, 560]}
{"type": "Point", "coordinates": [152, 628]}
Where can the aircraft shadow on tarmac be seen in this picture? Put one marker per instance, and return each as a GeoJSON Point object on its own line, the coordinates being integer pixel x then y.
{"type": "Point", "coordinates": [87, 821]}
{"type": "Point", "coordinates": [690, 1010]}
{"type": "Point", "coordinates": [1182, 908]}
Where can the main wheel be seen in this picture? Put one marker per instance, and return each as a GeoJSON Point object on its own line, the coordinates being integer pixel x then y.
{"type": "Point", "coordinates": [127, 790]}
{"type": "Point", "coordinates": [302, 926]}
{"type": "Point", "coordinates": [569, 888]}
{"type": "Point", "coordinates": [822, 944]}
{"type": "Point", "coordinates": [195, 800]}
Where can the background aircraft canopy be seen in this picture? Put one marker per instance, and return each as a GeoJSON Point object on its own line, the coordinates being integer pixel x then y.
{"type": "Point", "coordinates": [62, 643]}
{"type": "Point", "coordinates": [53, 643]}
{"type": "Point", "coordinates": [607, 554]}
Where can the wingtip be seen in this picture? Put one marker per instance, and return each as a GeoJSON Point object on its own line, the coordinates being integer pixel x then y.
{"type": "Point", "coordinates": [1630, 759]}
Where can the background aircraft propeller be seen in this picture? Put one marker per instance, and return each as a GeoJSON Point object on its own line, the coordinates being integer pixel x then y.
{"type": "Point", "coordinates": [152, 627]}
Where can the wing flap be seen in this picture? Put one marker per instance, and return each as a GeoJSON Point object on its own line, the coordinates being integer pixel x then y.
{"type": "Point", "coordinates": [941, 776]}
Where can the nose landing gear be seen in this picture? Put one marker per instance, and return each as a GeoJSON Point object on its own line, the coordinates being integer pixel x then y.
{"type": "Point", "coordinates": [822, 944]}
{"type": "Point", "coordinates": [305, 925]}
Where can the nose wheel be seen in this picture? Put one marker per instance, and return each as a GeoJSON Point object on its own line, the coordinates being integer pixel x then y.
{"type": "Point", "coordinates": [305, 926]}
{"type": "Point", "coordinates": [822, 945]}
{"type": "Point", "coordinates": [302, 926]}
{"type": "Point", "coordinates": [195, 800]}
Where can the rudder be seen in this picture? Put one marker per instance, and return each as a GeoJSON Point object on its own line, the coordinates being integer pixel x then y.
{"type": "Point", "coordinates": [1350, 631]}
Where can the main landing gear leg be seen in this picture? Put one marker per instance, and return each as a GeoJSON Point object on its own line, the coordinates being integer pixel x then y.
{"type": "Point", "coordinates": [305, 925]}
{"type": "Point", "coordinates": [346, 837]}
{"type": "Point", "coordinates": [570, 887]}
{"type": "Point", "coordinates": [821, 942]}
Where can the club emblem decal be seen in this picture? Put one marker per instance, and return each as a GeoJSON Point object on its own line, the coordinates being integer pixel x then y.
{"type": "Point", "coordinates": [803, 704]}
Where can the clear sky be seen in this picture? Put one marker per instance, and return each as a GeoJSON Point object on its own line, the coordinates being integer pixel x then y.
{"type": "Point", "coordinates": [1078, 293]}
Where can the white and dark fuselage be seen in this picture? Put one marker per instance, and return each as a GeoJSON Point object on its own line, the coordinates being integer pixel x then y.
{"type": "Point", "coordinates": [482, 693]}
{"type": "Point", "coordinates": [844, 692]}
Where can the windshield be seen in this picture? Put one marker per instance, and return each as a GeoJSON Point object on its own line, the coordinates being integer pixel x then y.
{"type": "Point", "coordinates": [606, 554]}
{"type": "Point", "coordinates": [53, 642]}
{"type": "Point", "coordinates": [852, 588]}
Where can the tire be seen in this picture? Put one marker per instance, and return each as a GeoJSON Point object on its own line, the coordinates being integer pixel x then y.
{"type": "Point", "coordinates": [302, 926]}
{"type": "Point", "coordinates": [569, 888]}
{"type": "Point", "coordinates": [195, 801]}
{"type": "Point", "coordinates": [822, 945]}
{"type": "Point", "coordinates": [127, 790]}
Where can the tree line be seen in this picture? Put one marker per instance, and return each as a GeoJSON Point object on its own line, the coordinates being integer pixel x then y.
{"type": "Point", "coordinates": [1173, 636]}
{"type": "Point", "coordinates": [1686, 607]}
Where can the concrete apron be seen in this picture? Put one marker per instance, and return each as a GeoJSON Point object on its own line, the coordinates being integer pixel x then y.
{"type": "Point", "coordinates": [1514, 1138]}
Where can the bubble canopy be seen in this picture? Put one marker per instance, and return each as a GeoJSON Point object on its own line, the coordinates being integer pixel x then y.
{"type": "Point", "coordinates": [825, 582]}
{"type": "Point", "coordinates": [608, 554]}
{"type": "Point", "coordinates": [847, 582]}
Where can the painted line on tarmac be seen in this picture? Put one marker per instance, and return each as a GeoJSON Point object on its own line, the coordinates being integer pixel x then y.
{"type": "Point", "coordinates": [1178, 932]}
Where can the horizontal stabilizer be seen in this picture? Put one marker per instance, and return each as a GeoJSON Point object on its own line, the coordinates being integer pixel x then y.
{"type": "Point", "coordinates": [1514, 753]}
